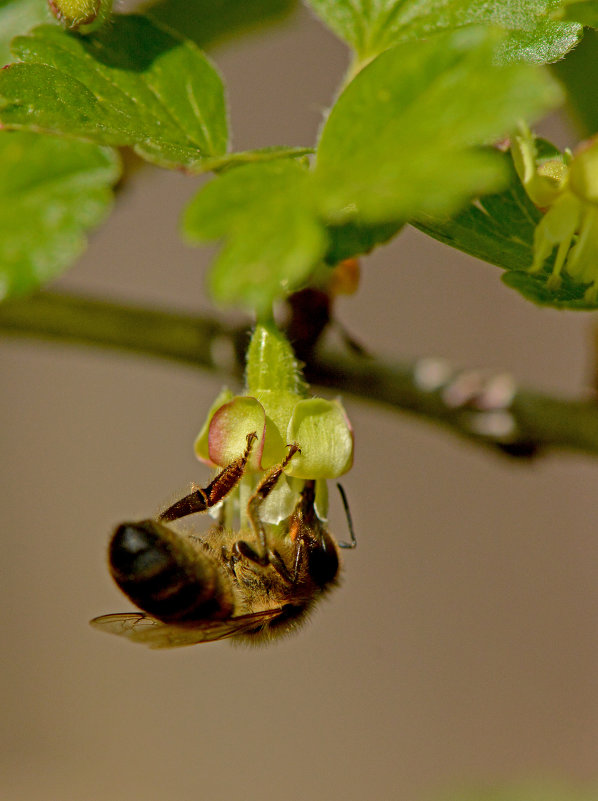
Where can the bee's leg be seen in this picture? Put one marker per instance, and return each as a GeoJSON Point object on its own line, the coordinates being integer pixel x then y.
{"type": "Point", "coordinates": [243, 550]}
{"type": "Point", "coordinates": [202, 499]}
{"type": "Point", "coordinates": [353, 541]}
{"type": "Point", "coordinates": [263, 489]}
{"type": "Point", "coordinates": [299, 557]}
{"type": "Point", "coordinates": [305, 516]}
{"type": "Point", "coordinates": [316, 558]}
{"type": "Point", "coordinates": [278, 564]}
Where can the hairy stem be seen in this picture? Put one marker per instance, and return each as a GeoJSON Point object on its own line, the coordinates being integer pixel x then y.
{"type": "Point", "coordinates": [522, 424]}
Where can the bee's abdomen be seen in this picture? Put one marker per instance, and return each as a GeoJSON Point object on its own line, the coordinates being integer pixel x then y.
{"type": "Point", "coordinates": [165, 575]}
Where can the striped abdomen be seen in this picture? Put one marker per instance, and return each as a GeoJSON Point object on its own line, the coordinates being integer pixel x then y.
{"type": "Point", "coordinates": [164, 574]}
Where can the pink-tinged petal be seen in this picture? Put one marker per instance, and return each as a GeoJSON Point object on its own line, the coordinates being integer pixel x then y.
{"type": "Point", "coordinates": [200, 446]}
{"type": "Point", "coordinates": [228, 430]}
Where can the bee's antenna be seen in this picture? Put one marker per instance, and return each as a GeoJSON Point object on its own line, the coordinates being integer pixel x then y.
{"type": "Point", "coordinates": [353, 543]}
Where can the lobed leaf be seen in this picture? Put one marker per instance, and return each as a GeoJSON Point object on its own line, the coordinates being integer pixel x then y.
{"type": "Point", "coordinates": [19, 16]}
{"type": "Point", "coordinates": [372, 26]}
{"type": "Point", "coordinates": [132, 83]}
{"type": "Point", "coordinates": [273, 240]}
{"type": "Point", "coordinates": [51, 192]}
{"type": "Point", "coordinates": [404, 136]}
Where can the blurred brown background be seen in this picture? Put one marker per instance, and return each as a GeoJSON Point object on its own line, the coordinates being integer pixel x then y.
{"type": "Point", "coordinates": [462, 646]}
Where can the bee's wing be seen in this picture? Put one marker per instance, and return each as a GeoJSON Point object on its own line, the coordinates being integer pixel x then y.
{"type": "Point", "coordinates": [143, 628]}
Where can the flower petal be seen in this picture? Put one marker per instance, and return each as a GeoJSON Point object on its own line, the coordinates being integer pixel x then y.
{"type": "Point", "coordinates": [201, 443]}
{"type": "Point", "coordinates": [323, 433]}
{"type": "Point", "coordinates": [228, 430]}
{"type": "Point", "coordinates": [280, 502]}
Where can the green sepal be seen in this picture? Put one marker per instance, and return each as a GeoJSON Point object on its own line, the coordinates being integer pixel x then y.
{"type": "Point", "coordinates": [325, 437]}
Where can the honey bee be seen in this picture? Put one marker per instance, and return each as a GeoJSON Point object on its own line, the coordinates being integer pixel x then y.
{"type": "Point", "coordinates": [195, 589]}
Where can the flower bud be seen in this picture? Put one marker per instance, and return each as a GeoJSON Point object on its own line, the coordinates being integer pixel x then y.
{"type": "Point", "coordinates": [568, 189]}
{"type": "Point", "coordinates": [81, 15]}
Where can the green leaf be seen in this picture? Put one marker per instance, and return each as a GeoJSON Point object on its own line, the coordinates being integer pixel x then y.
{"type": "Point", "coordinates": [372, 26]}
{"type": "Point", "coordinates": [132, 83]}
{"type": "Point", "coordinates": [499, 229]}
{"type": "Point", "coordinates": [273, 241]}
{"type": "Point", "coordinates": [19, 16]}
{"type": "Point", "coordinates": [533, 287]}
{"type": "Point", "coordinates": [579, 72]}
{"type": "Point", "coordinates": [585, 11]}
{"type": "Point", "coordinates": [496, 228]}
{"type": "Point", "coordinates": [403, 137]}
{"type": "Point", "coordinates": [51, 192]}
{"type": "Point", "coordinates": [354, 239]}
{"type": "Point", "coordinates": [207, 22]}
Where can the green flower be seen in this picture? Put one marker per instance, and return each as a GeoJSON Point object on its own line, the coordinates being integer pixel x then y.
{"type": "Point", "coordinates": [275, 406]}
{"type": "Point", "coordinates": [567, 186]}
{"type": "Point", "coordinates": [320, 428]}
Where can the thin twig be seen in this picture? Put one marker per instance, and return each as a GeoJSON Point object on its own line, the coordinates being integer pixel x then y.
{"type": "Point", "coordinates": [522, 423]}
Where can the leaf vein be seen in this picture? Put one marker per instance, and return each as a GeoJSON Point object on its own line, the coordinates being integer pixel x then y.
{"type": "Point", "coordinates": [199, 116]}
